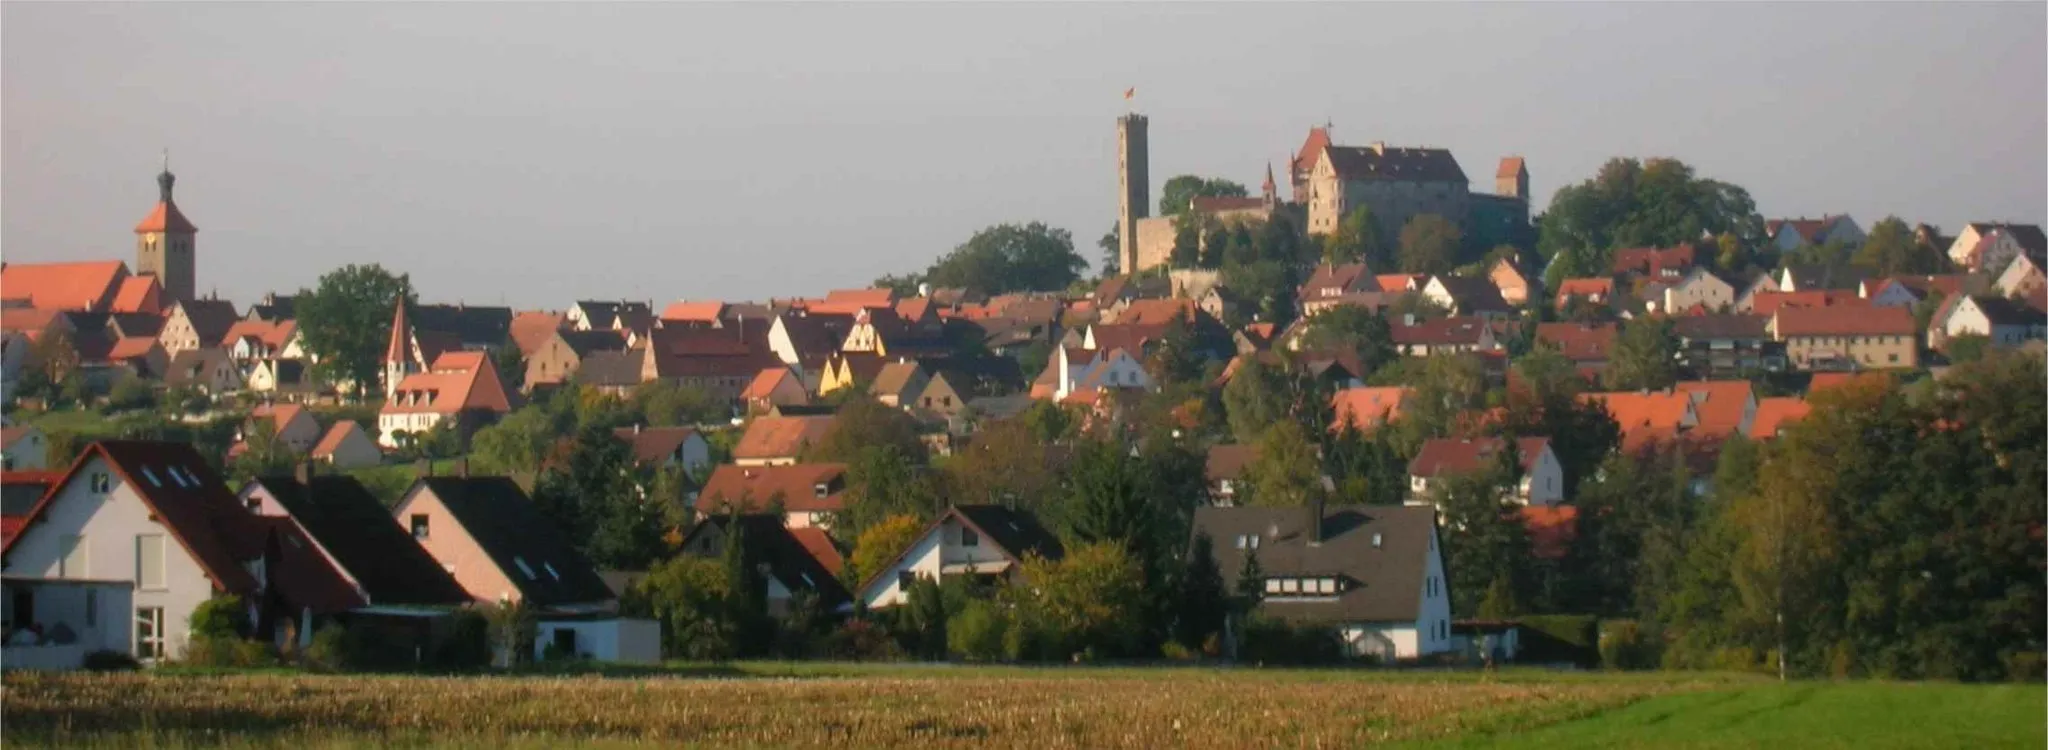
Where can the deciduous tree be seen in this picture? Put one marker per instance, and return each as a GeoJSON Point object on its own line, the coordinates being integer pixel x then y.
{"type": "Point", "coordinates": [345, 320]}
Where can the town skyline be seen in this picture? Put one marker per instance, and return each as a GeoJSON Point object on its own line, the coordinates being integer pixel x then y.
{"type": "Point", "coordinates": [492, 194]}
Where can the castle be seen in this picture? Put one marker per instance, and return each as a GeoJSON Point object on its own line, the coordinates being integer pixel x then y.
{"type": "Point", "coordinates": [1399, 183]}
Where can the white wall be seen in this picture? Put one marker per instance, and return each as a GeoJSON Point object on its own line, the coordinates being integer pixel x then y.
{"type": "Point", "coordinates": [109, 525]}
{"type": "Point", "coordinates": [926, 558]}
{"type": "Point", "coordinates": [1433, 626]}
{"type": "Point", "coordinates": [618, 640]}
{"type": "Point", "coordinates": [28, 452]}
{"type": "Point", "coordinates": [102, 625]}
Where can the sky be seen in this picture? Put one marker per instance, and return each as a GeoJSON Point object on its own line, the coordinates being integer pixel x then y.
{"type": "Point", "coordinates": [534, 154]}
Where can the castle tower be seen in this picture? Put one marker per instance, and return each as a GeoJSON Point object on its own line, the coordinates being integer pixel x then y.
{"type": "Point", "coordinates": [1134, 188]}
{"type": "Point", "coordinates": [1512, 179]}
{"type": "Point", "coordinates": [164, 244]}
{"type": "Point", "coordinates": [400, 359]}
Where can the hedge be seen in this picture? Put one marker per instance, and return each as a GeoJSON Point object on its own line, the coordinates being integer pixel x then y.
{"type": "Point", "coordinates": [1552, 639]}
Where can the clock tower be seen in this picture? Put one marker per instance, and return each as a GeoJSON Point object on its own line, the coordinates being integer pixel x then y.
{"type": "Point", "coordinates": [164, 243]}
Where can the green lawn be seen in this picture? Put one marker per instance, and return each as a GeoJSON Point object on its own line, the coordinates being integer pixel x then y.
{"type": "Point", "coordinates": [1808, 715]}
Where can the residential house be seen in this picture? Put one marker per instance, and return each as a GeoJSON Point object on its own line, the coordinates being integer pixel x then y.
{"type": "Point", "coordinates": [665, 447]}
{"type": "Point", "coordinates": [789, 560]}
{"type": "Point", "coordinates": [252, 341]}
{"type": "Point", "coordinates": [1698, 288]}
{"type": "Point", "coordinates": [1990, 246]}
{"type": "Point", "coordinates": [1727, 345]}
{"type": "Point", "coordinates": [1647, 417]}
{"type": "Point", "coordinates": [207, 369]}
{"type": "Point", "coordinates": [850, 370]}
{"type": "Point", "coordinates": [1366, 409]}
{"type": "Point", "coordinates": [290, 379]}
{"type": "Point", "coordinates": [291, 425]}
{"type": "Point", "coordinates": [1587, 345]}
{"type": "Point", "coordinates": [1769, 303]}
{"type": "Point", "coordinates": [1761, 281]}
{"type": "Point", "coordinates": [1374, 574]}
{"type": "Point", "coordinates": [1802, 278]}
{"type": "Point", "coordinates": [775, 386]}
{"type": "Point", "coordinates": [700, 314]}
{"type": "Point", "coordinates": [899, 384]}
{"type": "Point", "coordinates": [1723, 407]}
{"type": "Point", "coordinates": [499, 547]}
{"type": "Point", "coordinates": [1078, 370]}
{"type": "Point", "coordinates": [273, 308]}
{"type": "Point", "coordinates": [23, 448]}
{"type": "Point", "coordinates": [776, 440]}
{"type": "Point", "coordinates": [939, 398]}
{"type": "Point", "coordinates": [1225, 471]}
{"type": "Point", "coordinates": [1508, 277]}
{"type": "Point", "coordinates": [985, 541]}
{"type": "Point", "coordinates": [1656, 264]}
{"type": "Point", "coordinates": [1330, 282]}
{"type": "Point", "coordinates": [1791, 234]}
{"type": "Point", "coordinates": [2007, 323]}
{"type": "Point", "coordinates": [92, 286]}
{"type": "Point", "coordinates": [1467, 297]}
{"type": "Point", "coordinates": [346, 446]}
{"type": "Point", "coordinates": [20, 491]}
{"type": "Point", "coordinates": [720, 362]}
{"type": "Point", "coordinates": [155, 516]}
{"type": "Point", "coordinates": [532, 329]}
{"type": "Point", "coordinates": [1542, 476]}
{"type": "Point", "coordinates": [808, 494]}
{"type": "Point", "coordinates": [1827, 338]}
{"type": "Point", "coordinates": [2022, 277]}
{"type": "Point", "coordinates": [381, 564]}
{"type": "Point", "coordinates": [1774, 414]}
{"type": "Point", "coordinates": [806, 340]}
{"type": "Point", "coordinates": [612, 373]}
{"type": "Point", "coordinates": [1599, 291]}
{"type": "Point", "coordinates": [1422, 338]}
{"type": "Point", "coordinates": [460, 391]}
{"type": "Point", "coordinates": [556, 361]}
{"type": "Point", "coordinates": [197, 323]}
{"type": "Point", "coordinates": [597, 315]}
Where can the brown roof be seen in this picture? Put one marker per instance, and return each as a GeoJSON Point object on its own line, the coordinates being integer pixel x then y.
{"type": "Point", "coordinates": [1552, 529]}
{"type": "Point", "coordinates": [1382, 551]}
{"type": "Point", "coordinates": [862, 298]}
{"type": "Point", "coordinates": [653, 444]}
{"type": "Point", "coordinates": [138, 294]}
{"type": "Point", "coordinates": [1579, 342]}
{"type": "Point", "coordinates": [1343, 278]}
{"type": "Point", "coordinates": [1767, 303]}
{"type": "Point", "coordinates": [1718, 404]}
{"type": "Point", "coordinates": [184, 495]}
{"type": "Point", "coordinates": [1391, 163]}
{"type": "Point", "coordinates": [1311, 150]}
{"type": "Point", "coordinates": [780, 437]}
{"type": "Point", "coordinates": [1365, 408]}
{"type": "Point", "coordinates": [1440, 332]}
{"type": "Point", "coordinates": [1844, 321]}
{"type": "Point", "coordinates": [1774, 414]}
{"type": "Point", "coordinates": [458, 381]}
{"type": "Point", "coordinates": [1230, 461]}
{"type": "Point", "coordinates": [63, 286]}
{"type": "Point", "coordinates": [764, 384]}
{"type": "Point", "coordinates": [707, 311]}
{"type": "Point", "coordinates": [1440, 456]}
{"type": "Point", "coordinates": [819, 544]}
{"type": "Point", "coordinates": [532, 329]}
{"type": "Point", "coordinates": [1651, 261]}
{"type": "Point", "coordinates": [331, 441]}
{"type": "Point", "coordinates": [796, 486]}
{"type": "Point", "coordinates": [1156, 311]}
{"type": "Point", "coordinates": [894, 378]}
{"type": "Point", "coordinates": [210, 318]}
{"type": "Point", "coordinates": [1570, 288]}
{"type": "Point", "coordinates": [165, 218]}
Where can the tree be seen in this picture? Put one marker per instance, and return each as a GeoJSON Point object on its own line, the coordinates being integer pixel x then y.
{"type": "Point", "coordinates": [1091, 600]}
{"type": "Point", "coordinates": [1544, 401]}
{"type": "Point", "coordinates": [1268, 285]}
{"type": "Point", "coordinates": [1429, 244]}
{"type": "Point", "coordinates": [1636, 203]}
{"type": "Point", "coordinates": [666, 403]}
{"type": "Point", "coordinates": [1484, 540]}
{"type": "Point", "coordinates": [1180, 191]}
{"type": "Point", "coordinates": [511, 367]}
{"type": "Point", "coordinates": [1203, 602]}
{"type": "Point", "coordinates": [1890, 249]}
{"type": "Point", "coordinates": [1969, 347]}
{"type": "Point", "coordinates": [1451, 386]}
{"type": "Point", "coordinates": [1360, 331]}
{"type": "Point", "coordinates": [882, 542]}
{"type": "Point", "coordinates": [1358, 239]}
{"type": "Point", "coordinates": [1365, 467]}
{"type": "Point", "coordinates": [1187, 243]}
{"type": "Point", "coordinates": [687, 595]}
{"type": "Point", "coordinates": [1005, 464]}
{"type": "Point", "coordinates": [1111, 245]}
{"type": "Point", "coordinates": [882, 482]}
{"type": "Point", "coordinates": [345, 321]}
{"type": "Point", "coordinates": [1180, 356]}
{"type": "Point", "coordinates": [1645, 356]}
{"type": "Point", "coordinates": [1730, 255]}
{"type": "Point", "coordinates": [864, 423]}
{"type": "Point", "coordinates": [519, 443]}
{"type": "Point", "coordinates": [623, 527]}
{"type": "Point", "coordinates": [1287, 472]}
{"type": "Point", "coordinates": [1011, 258]}
{"type": "Point", "coordinates": [1254, 399]}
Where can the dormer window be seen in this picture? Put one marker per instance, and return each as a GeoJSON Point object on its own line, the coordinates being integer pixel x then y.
{"type": "Point", "coordinates": [419, 526]}
{"type": "Point", "coordinates": [524, 568]}
{"type": "Point", "coordinates": [821, 489]}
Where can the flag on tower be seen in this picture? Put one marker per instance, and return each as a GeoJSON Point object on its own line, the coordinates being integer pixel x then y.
{"type": "Point", "coordinates": [1130, 92]}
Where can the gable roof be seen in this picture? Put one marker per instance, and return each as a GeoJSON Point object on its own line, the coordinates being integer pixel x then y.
{"type": "Point", "coordinates": [894, 378]}
{"type": "Point", "coordinates": [1652, 261]}
{"type": "Point", "coordinates": [165, 217]}
{"type": "Point", "coordinates": [1646, 417]}
{"type": "Point", "coordinates": [531, 330]}
{"type": "Point", "coordinates": [1343, 278]}
{"type": "Point", "coordinates": [583, 343]}
{"type": "Point", "coordinates": [1440, 456]}
{"type": "Point", "coordinates": [62, 286]}
{"type": "Point", "coordinates": [1390, 573]}
{"type": "Point", "coordinates": [1584, 288]}
{"type": "Point", "coordinates": [138, 294]}
{"type": "Point", "coordinates": [653, 444]}
{"type": "Point", "coordinates": [611, 368]}
{"type": "Point", "coordinates": [348, 522]}
{"type": "Point", "coordinates": [1455, 331]}
{"type": "Point", "coordinates": [794, 485]}
{"type": "Point", "coordinates": [1844, 321]}
{"type": "Point", "coordinates": [2001, 311]}
{"type": "Point", "coordinates": [210, 318]}
{"type": "Point", "coordinates": [1510, 166]}
{"type": "Point", "coordinates": [1365, 408]}
{"type": "Point", "coordinates": [1718, 404]}
{"type": "Point", "coordinates": [764, 384]}
{"type": "Point", "coordinates": [1473, 294]}
{"type": "Point", "coordinates": [1382, 162]}
{"type": "Point", "coordinates": [511, 529]}
{"type": "Point", "coordinates": [1580, 342]}
{"type": "Point", "coordinates": [458, 381]}
{"type": "Point", "coordinates": [800, 559]}
{"type": "Point", "coordinates": [771, 436]}
{"type": "Point", "coordinates": [1311, 150]}
{"type": "Point", "coordinates": [1774, 414]}
{"type": "Point", "coordinates": [474, 327]}
{"type": "Point", "coordinates": [332, 439]}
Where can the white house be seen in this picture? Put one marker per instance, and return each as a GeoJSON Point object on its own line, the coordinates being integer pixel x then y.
{"type": "Point", "coordinates": [610, 639]}
{"type": "Point", "coordinates": [52, 623]}
{"type": "Point", "coordinates": [1085, 368]}
{"type": "Point", "coordinates": [1542, 475]}
{"type": "Point", "coordinates": [1990, 246]}
{"type": "Point", "coordinates": [347, 446]}
{"type": "Point", "coordinates": [1699, 287]}
{"type": "Point", "coordinates": [1374, 574]}
{"type": "Point", "coordinates": [980, 540]}
{"type": "Point", "coordinates": [2006, 322]}
{"type": "Point", "coordinates": [2021, 277]}
{"type": "Point", "coordinates": [23, 448]}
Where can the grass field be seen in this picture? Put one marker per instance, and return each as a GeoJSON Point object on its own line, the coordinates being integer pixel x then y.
{"type": "Point", "coordinates": [867, 706]}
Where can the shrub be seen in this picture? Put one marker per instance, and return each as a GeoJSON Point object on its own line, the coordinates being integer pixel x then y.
{"type": "Point", "coordinates": [861, 640]}
{"type": "Point", "coordinates": [109, 661]}
{"type": "Point", "coordinates": [467, 642]}
{"type": "Point", "coordinates": [976, 633]}
{"type": "Point", "coordinates": [1173, 651]}
{"type": "Point", "coordinates": [328, 651]}
{"type": "Point", "coordinates": [1624, 645]}
{"type": "Point", "coordinates": [228, 652]}
{"type": "Point", "coordinates": [1271, 641]}
{"type": "Point", "coordinates": [1551, 639]}
{"type": "Point", "coordinates": [2026, 666]}
{"type": "Point", "coordinates": [219, 617]}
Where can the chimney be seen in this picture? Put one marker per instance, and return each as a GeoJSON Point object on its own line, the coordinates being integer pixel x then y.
{"type": "Point", "coordinates": [636, 428]}
{"type": "Point", "coordinates": [1315, 520]}
{"type": "Point", "coordinates": [303, 472]}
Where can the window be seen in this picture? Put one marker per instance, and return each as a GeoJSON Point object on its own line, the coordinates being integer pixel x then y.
{"type": "Point", "coordinates": [1240, 541]}
{"type": "Point", "coordinates": [102, 482]}
{"type": "Point", "coordinates": [71, 561]}
{"type": "Point", "coordinates": [151, 476]}
{"type": "Point", "coordinates": [565, 640]}
{"type": "Point", "coordinates": [968, 538]}
{"type": "Point", "coordinates": [419, 526]}
{"type": "Point", "coordinates": [1272, 585]}
{"type": "Point", "coordinates": [550, 568]}
{"type": "Point", "coordinates": [1326, 585]}
{"type": "Point", "coordinates": [1255, 541]}
{"type": "Point", "coordinates": [92, 608]}
{"type": "Point", "coordinates": [905, 579]}
{"type": "Point", "coordinates": [254, 504]}
{"type": "Point", "coordinates": [1894, 358]}
{"type": "Point", "coordinates": [149, 561]}
{"type": "Point", "coordinates": [524, 568]}
{"type": "Point", "coordinates": [149, 632]}
{"type": "Point", "coordinates": [1290, 586]}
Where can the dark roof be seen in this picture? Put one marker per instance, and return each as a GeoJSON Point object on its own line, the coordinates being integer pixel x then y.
{"type": "Point", "coordinates": [1391, 163]}
{"type": "Point", "coordinates": [210, 318]}
{"type": "Point", "coordinates": [766, 540]}
{"type": "Point", "coordinates": [473, 326]}
{"type": "Point", "coordinates": [511, 529]}
{"type": "Point", "coordinates": [1016, 531]}
{"type": "Point", "coordinates": [611, 368]}
{"type": "Point", "coordinates": [1473, 295]}
{"type": "Point", "coordinates": [186, 497]}
{"type": "Point", "coordinates": [583, 343]}
{"type": "Point", "coordinates": [1001, 407]}
{"type": "Point", "coordinates": [1386, 580]}
{"type": "Point", "coordinates": [653, 444]}
{"type": "Point", "coordinates": [2006, 312]}
{"type": "Point", "coordinates": [136, 324]}
{"type": "Point", "coordinates": [1721, 326]}
{"type": "Point", "coordinates": [341, 515]}
{"type": "Point", "coordinates": [273, 308]}
{"type": "Point", "coordinates": [1229, 461]}
{"type": "Point", "coordinates": [602, 315]}
{"type": "Point", "coordinates": [1827, 277]}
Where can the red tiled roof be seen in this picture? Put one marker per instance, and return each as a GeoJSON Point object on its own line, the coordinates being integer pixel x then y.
{"type": "Point", "coordinates": [1509, 167]}
{"type": "Point", "coordinates": [1156, 311]}
{"type": "Point", "coordinates": [1652, 261]}
{"type": "Point", "coordinates": [866, 298]}
{"type": "Point", "coordinates": [63, 286]}
{"type": "Point", "coordinates": [1646, 417]}
{"type": "Point", "coordinates": [819, 544]}
{"type": "Point", "coordinates": [1552, 529]}
{"type": "Point", "coordinates": [1767, 303]}
{"type": "Point", "coordinates": [764, 384]}
{"type": "Point", "coordinates": [1440, 456]}
{"type": "Point", "coordinates": [1311, 150]}
{"type": "Point", "coordinates": [331, 441]}
{"type": "Point", "coordinates": [138, 294]}
{"type": "Point", "coordinates": [165, 218]}
{"type": "Point", "coordinates": [1333, 281]}
{"type": "Point", "coordinates": [130, 348]}
{"type": "Point", "coordinates": [1400, 282]}
{"type": "Point", "coordinates": [192, 502]}
{"type": "Point", "coordinates": [531, 330]}
{"type": "Point", "coordinates": [26, 319]}
{"type": "Point", "coordinates": [458, 381]}
{"type": "Point", "coordinates": [1366, 408]}
{"type": "Point", "coordinates": [1844, 321]}
{"type": "Point", "coordinates": [1579, 342]}
{"type": "Point", "coordinates": [784, 436]}
{"type": "Point", "coordinates": [693, 312]}
{"type": "Point", "coordinates": [796, 485]}
{"type": "Point", "coordinates": [1718, 404]}
{"type": "Point", "coordinates": [1774, 414]}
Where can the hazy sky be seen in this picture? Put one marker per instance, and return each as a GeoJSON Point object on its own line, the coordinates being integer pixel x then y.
{"type": "Point", "coordinates": [532, 154]}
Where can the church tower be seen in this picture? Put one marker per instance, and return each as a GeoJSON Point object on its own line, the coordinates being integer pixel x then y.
{"type": "Point", "coordinates": [400, 359]}
{"type": "Point", "coordinates": [1134, 188]}
{"type": "Point", "coordinates": [164, 244]}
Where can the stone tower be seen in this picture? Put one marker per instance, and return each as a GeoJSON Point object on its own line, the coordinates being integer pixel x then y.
{"type": "Point", "coordinates": [1134, 188]}
{"type": "Point", "coordinates": [164, 244]}
{"type": "Point", "coordinates": [1512, 179]}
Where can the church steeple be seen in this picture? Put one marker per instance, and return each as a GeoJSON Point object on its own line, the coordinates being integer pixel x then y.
{"type": "Point", "coordinates": [164, 243]}
{"type": "Point", "coordinates": [1268, 190]}
{"type": "Point", "coordinates": [400, 358]}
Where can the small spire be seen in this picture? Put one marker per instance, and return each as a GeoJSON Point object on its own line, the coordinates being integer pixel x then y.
{"type": "Point", "coordinates": [165, 180]}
